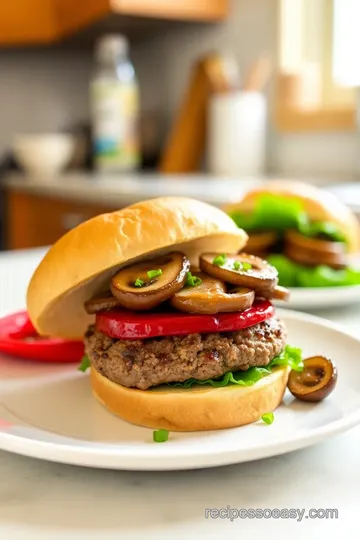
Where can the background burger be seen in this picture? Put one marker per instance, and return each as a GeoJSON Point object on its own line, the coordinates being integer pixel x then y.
{"type": "Point", "coordinates": [305, 232]}
{"type": "Point", "coordinates": [179, 329]}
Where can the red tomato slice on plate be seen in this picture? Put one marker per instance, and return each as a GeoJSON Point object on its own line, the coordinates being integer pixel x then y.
{"type": "Point", "coordinates": [18, 338]}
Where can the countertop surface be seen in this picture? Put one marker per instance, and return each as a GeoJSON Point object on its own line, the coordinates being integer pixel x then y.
{"type": "Point", "coordinates": [41, 500]}
{"type": "Point", "coordinates": [128, 189]}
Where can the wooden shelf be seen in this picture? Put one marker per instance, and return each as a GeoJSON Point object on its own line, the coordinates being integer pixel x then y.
{"type": "Point", "coordinates": [40, 22]}
{"type": "Point", "coordinates": [292, 120]}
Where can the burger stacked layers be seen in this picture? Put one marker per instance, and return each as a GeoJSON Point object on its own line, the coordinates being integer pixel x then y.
{"type": "Point", "coordinates": [305, 232]}
{"type": "Point", "coordinates": [166, 286]}
{"type": "Point", "coordinates": [179, 329]}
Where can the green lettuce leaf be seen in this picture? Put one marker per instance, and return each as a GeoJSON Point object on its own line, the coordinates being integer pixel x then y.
{"type": "Point", "coordinates": [271, 212]}
{"type": "Point", "coordinates": [286, 268]}
{"type": "Point", "coordinates": [85, 363]}
{"type": "Point", "coordinates": [292, 274]}
{"type": "Point", "coordinates": [325, 229]}
{"type": "Point", "coordinates": [291, 356]}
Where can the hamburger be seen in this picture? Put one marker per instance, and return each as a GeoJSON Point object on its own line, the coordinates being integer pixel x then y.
{"type": "Point", "coordinates": [179, 329]}
{"type": "Point", "coordinates": [305, 232]}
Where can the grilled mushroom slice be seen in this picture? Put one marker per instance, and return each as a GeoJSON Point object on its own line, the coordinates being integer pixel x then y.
{"type": "Point", "coordinates": [316, 381]}
{"type": "Point", "coordinates": [277, 293]}
{"type": "Point", "coordinates": [145, 285]}
{"type": "Point", "coordinates": [210, 297]}
{"type": "Point", "coordinates": [102, 302]}
{"type": "Point", "coordinates": [242, 269]}
{"type": "Point", "coordinates": [311, 258]}
{"type": "Point", "coordinates": [260, 242]}
{"type": "Point", "coordinates": [316, 245]}
{"type": "Point", "coordinates": [312, 251]}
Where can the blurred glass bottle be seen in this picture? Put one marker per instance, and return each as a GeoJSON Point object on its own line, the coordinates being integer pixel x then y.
{"type": "Point", "coordinates": [115, 107]}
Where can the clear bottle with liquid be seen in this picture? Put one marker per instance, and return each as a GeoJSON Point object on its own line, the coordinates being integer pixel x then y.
{"type": "Point", "coordinates": [114, 95]}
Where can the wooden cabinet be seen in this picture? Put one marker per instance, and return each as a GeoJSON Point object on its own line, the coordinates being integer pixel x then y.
{"type": "Point", "coordinates": [35, 221]}
{"type": "Point", "coordinates": [29, 22]}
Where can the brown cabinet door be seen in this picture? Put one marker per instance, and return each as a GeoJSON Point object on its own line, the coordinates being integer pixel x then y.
{"type": "Point", "coordinates": [30, 22]}
{"type": "Point", "coordinates": [197, 10]}
{"type": "Point", "coordinates": [35, 221]}
{"type": "Point", "coordinates": [27, 22]}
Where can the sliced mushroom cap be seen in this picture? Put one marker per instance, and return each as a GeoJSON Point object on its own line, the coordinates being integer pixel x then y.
{"type": "Point", "coordinates": [312, 258]}
{"type": "Point", "coordinates": [145, 285]}
{"type": "Point", "coordinates": [210, 297]}
{"type": "Point", "coordinates": [316, 245]}
{"type": "Point", "coordinates": [316, 381]}
{"type": "Point", "coordinates": [277, 293]}
{"type": "Point", "coordinates": [243, 270]}
{"type": "Point", "coordinates": [102, 302]}
{"type": "Point", "coordinates": [260, 242]}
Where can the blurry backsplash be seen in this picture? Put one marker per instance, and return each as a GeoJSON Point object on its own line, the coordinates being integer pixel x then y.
{"type": "Point", "coordinates": [47, 89]}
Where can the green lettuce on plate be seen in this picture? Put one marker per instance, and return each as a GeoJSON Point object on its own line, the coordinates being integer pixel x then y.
{"type": "Point", "coordinates": [292, 274]}
{"type": "Point", "coordinates": [291, 357]}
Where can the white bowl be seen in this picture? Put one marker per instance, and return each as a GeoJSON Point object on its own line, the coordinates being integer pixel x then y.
{"type": "Point", "coordinates": [44, 154]}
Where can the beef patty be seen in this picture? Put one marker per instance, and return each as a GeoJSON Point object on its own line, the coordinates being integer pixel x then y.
{"type": "Point", "coordinates": [150, 362]}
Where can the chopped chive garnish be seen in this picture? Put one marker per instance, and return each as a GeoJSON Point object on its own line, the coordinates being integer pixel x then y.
{"type": "Point", "coordinates": [220, 260]}
{"type": "Point", "coordinates": [138, 282]}
{"type": "Point", "coordinates": [237, 265]}
{"type": "Point", "coordinates": [85, 363]}
{"type": "Point", "coordinates": [154, 273]}
{"type": "Point", "coordinates": [160, 435]}
{"type": "Point", "coordinates": [268, 418]}
{"type": "Point", "coordinates": [192, 281]}
{"type": "Point", "coordinates": [246, 266]}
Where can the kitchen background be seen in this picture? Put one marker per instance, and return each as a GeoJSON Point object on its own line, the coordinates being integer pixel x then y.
{"type": "Point", "coordinates": [232, 92]}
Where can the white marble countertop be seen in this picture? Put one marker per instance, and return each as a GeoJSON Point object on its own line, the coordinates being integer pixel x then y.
{"type": "Point", "coordinates": [45, 501]}
{"type": "Point", "coordinates": [127, 189]}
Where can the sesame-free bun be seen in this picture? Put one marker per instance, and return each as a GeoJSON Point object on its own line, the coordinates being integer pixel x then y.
{"type": "Point", "coordinates": [194, 409]}
{"type": "Point", "coordinates": [82, 262]}
{"type": "Point", "coordinates": [319, 204]}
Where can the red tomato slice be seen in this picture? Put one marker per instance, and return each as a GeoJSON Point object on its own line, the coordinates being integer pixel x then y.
{"type": "Point", "coordinates": [141, 325]}
{"type": "Point", "coordinates": [18, 338]}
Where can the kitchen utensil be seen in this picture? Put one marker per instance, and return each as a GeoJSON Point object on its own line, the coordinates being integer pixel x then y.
{"type": "Point", "coordinates": [185, 147]}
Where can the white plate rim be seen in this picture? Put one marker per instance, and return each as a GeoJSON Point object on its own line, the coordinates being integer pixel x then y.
{"type": "Point", "coordinates": [110, 458]}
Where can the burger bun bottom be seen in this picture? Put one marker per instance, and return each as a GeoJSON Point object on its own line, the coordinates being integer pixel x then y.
{"type": "Point", "coordinates": [195, 409]}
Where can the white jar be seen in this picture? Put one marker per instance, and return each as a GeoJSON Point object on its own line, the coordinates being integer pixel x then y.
{"type": "Point", "coordinates": [237, 134]}
{"type": "Point", "coordinates": [114, 97]}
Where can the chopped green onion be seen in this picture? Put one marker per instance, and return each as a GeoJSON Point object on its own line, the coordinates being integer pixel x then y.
{"type": "Point", "coordinates": [160, 435]}
{"type": "Point", "coordinates": [85, 363]}
{"type": "Point", "coordinates": [268, 418]}
{"type": "Point", "coordinates": [220, 260]}
{"type": "Point", "coordinates": [154, 273]}
{"type": "Point", "coordinates": [241, 266]}
{"type": "Point", "coordinates": [192, 281]}
{"type": "Point", "coordinates": [138, 282]}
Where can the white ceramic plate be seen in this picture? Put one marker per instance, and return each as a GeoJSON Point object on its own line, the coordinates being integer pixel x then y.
{"type": "Point", "coordinates": [48, 412]}
{"type": "Point", "coordinates": [321, 297]}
